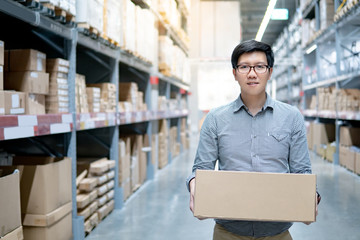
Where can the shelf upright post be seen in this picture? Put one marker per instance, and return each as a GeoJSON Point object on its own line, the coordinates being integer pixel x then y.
{"type": "Point", "coordinates": [149, 131]}
{"type": "Point", "coordinates": [153, 129]}
{"type": "Point", "coordinates": [77, 221]}
{"type": "Point", "coordinates": [338, 73]}
{"type": "Point", "coordinates": [167, 94]}
{"type": "Point", "coordinates": [114, 148]}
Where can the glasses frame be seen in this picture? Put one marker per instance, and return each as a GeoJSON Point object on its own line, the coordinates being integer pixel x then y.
{"type": "Point", "coordinates": [252, 67]}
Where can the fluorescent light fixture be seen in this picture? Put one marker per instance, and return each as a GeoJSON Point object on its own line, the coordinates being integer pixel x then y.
{"type": "Point", "coordinates": [265, 20]}
{"type": "Point", "coordinates": [280, 14]}
{"type": "Point", "coordinates": [310, 49]}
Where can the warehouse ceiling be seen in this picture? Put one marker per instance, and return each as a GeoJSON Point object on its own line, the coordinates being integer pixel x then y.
{"type": "Point", "coordinates": [252, 13]}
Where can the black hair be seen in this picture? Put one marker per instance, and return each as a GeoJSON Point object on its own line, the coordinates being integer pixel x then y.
{"type": "Point", "coordinates": [252, 46]}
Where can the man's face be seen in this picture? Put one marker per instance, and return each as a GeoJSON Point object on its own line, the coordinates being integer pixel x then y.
{"type": "Point", "coordinates": [252, 82]}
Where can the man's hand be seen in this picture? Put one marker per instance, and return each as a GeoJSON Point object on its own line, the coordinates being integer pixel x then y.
{"type": "Point", "coordinates": [192, 196]}
{"type": "Point", "coordinates": [318, 198]}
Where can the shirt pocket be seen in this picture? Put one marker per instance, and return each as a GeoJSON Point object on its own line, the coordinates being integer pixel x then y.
{"type": "Point", "coordinates": [276, 146]}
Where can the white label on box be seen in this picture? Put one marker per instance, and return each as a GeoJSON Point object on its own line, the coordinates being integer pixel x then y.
{"type": "Point", "coordinates": [18, 132]}
{"type": "Point", "coordinates": [89, 124]}
{"type": "Point", "coordinates": [66, 118]}
{"type": "Point", "coordinates": [63, 62]}
{"type": "Point", "coordinates": [128, 117]}
{"type": "Point", "coordinates": [15, 101]}
{"type": "Point", "coordinates": [17, 110]}
{"type": "Point", "coordinates": [27, 120]}
{"type": "Point", "coordinates": [34, 74]}
{"type": "Point", "coordinates": [1, 69]}
{"type": "Point", "coordinates": [61, 81]}
{"type": "Point", "coordinates": [2, 110]}
{"type": "Point", "coordinates": [63, 69]}
{"type": "Point", "coordinates": [59, 128]}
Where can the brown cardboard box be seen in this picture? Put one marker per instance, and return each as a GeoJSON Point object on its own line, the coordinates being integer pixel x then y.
{"type": "Point", "coordinates": [31, 82]}
{"type": "Point", "coordinates": [1, 77]}
{"type": "Point", "coordinates": [2, 102]}
{"type": "Point", "coordinates": [343, 155]}
{"type": "Point", "coordinates": [309, 135]}
{"type": "Point", "coordinates": [329, 153]}
{"type": "Point", "coordinates": [52, 178]}
{"type": "Point", "coordinates": [15, 102]}
{"type": "Point", "coordinates": [323, 133]}
{"type": "Point", "coordinates": [61, 230]}
{"type": "Point", "coordinates": [6, 60]}
{"type": "Point", "coordinates": [255, 196]}
{"type": "Point", "coordinates": [27, 60]}
{"type": "Point", "coordinates": [357, 163]}
{"type": "Point", "coordinates": [350, 160]}
{"type": "Point", "coordinates": [57, 65]}
{"type": "Point", "coordinates": [126, 187]}
{"type": "Point", "coordinates": [349, 136]}
{"type": "Point", "coordinates": [10, 217]}
{"type": "Point", "coordinates": [124, 159]}
{"type": "Point", "coordinates": [2, 49]}
{"type": "Point", "coordinates": [35, 104]}
{"type": "Point", "coordinates": [17, 234]}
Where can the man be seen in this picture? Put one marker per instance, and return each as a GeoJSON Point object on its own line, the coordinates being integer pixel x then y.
{"type": "Point", "coordinates": [253, 133]}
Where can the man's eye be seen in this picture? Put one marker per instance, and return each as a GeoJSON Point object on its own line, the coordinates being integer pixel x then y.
{"type": "Point", "coordinates": [260, 67]}
{"type": "Point", "coordinates": [243, 67]}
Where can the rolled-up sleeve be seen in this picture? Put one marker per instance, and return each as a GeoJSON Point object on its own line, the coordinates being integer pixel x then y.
{"type": "Point", "coordinates": [299, 159]}
{"type": "Point", "coordinates": [207, 152]}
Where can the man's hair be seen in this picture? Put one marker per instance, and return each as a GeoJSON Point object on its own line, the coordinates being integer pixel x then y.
{"type": "Point", "coordinates": [252, 46]}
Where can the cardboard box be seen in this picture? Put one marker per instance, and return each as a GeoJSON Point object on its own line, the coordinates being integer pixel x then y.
{"type": "Point", "coordinates": [255, 196]}
{"type": "Point", "coordinates": [1, 77]}
{"type": "Point", "coordinates": [329, 153]}
{"type": "Point", "coordinates": [27, 60]}
{"type": "Point", "coordinates": [15, 102]}
{"type": "Point", "coordinates": [323, 133]}
{"type": "Point", "coordinates": [10, 217]}
{"type": "Point", "coordinates": [52, 178]}
{"type": "Point", "coordinates": [343, 155]}
{"type": "Point", "coordinates": [2, 102]}
{"type": "Point", "coordinates": [17, 234]}
{"type": "Point", "coordinates": [2, 49]}
{"type": "Point", "coordinates": [6, 60]}
{"type": "Point", "coordinates": [57, 65]}
{"type": "Point", "coordinates": [126, 187]}
{"type": "Point", "coordinates": [124, 159]}
{"type": "Point", "coordinates": [35, 104]}
{"type": "Point", "coordinates": [350, 160]}
{"type": "Point", "coordinates": [61, 230]}
{"type": "Point", "coordinates": [357, 163]}
{"type": "Point", "coordinates": [349, 136]}
{"type": "Point", "coordinates": [30, 82]}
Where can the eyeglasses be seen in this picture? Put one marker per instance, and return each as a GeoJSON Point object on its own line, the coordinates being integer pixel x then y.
{"type": "Point", "coordinates": [245, 69]}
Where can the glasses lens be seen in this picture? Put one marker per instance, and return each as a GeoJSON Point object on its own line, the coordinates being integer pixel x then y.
{"type": "Point", "coordinates": [260, 69]}
{"type": "Point", "coordinates": [243, 69]}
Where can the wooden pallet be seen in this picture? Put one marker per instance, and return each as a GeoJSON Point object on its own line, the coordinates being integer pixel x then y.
{"type": "Point", "coordinates": [89, 30]}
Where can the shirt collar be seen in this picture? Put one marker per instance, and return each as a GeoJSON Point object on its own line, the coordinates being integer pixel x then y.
{"type": "Point", "coordinates": [238, 104]}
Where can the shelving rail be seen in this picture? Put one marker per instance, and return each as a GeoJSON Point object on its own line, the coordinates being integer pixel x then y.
{"type": "Point", "coordinates": [56, 134]}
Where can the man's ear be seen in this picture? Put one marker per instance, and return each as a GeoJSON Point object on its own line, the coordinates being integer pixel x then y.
{"type": "Point", "coordinates": [234, 73]}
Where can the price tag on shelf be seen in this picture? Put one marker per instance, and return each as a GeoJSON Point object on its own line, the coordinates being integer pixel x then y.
{"type": "Point", "coordinates": [138, 116]}
{"type": "Point", "coordinates": [128, 117]}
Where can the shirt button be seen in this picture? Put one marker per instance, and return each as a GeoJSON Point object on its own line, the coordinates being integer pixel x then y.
{"type": "Point", "coordinates": [254, 136]}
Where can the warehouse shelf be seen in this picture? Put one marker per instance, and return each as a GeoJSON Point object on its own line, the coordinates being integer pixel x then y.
{"type": "Point", "coordinates": [135, 62]}
{"type": "Point", "coordinates": [34, 18]}
{"type": "Point", "coordinates": [95, 120]}
{"type": "Point", "coordinates": [96, 45]}
{"type": "Point", "coordinates": [309, 9]}
{"type": "Point", "coordinates": [144, 116]}
{"type": "Point", "coordinates": [174, 81]}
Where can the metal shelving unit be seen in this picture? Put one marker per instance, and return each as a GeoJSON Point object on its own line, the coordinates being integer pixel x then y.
{"type": "Point", "coordinates": [335, 59]}
{"type": "Point", "coordinates": [65, 129]}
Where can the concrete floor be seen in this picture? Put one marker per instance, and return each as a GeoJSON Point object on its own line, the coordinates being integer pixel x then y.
{"type": "Point", "coordinates": [159, 209]}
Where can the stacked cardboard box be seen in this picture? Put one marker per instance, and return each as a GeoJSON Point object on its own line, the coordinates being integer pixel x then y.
{"type": "Point", "coordinates": [12, 102]}
{"type": "Point", "coordinates": [90, 12]}
{"type": "Point", "coordinates": [323, 134]}
{"type": "Point", "coordinates": [349, 100]}
{"type": "Point", "coordinates": [95, 192]}
{"type": "Point", "coordinates": [112, 25]}
{"type": "Point", "coordinates": [349, 140]}
{"type": "Point", "coordinates": [174, 144]}
{"type": "Point", "coordinates": [46, 209]}
{"type": "Point", "coordinates": [326, 13]}
{"type": "Point", "coordinates": [58, 99]}
{"type": "Point", "coordinates": [131, 97]}
{"type": "Point", "coordinates": [2, 58]}
{"type": "Point", "coordinates": [163, 143]}
{"type": "Point", "coordinates": [108, 96]}
{"type": "Point", "coordinates": [184, 138]}
{"type": "Point", "coordinates": [93, 97]}
{"type": "Point", "coordinates": [124, 166]}
{"type": "Point", "coordinates": [10, 218]}
{"type": "Point", "coordinates": [80, 92]}
{"type": "Point", "coordinates": [27, 74]}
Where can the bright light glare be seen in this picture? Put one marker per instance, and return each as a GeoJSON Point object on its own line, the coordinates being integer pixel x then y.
{"type": "Point", "coordinates": [265, 20]}
{"type": "Point", "coordinates": [310, 49]}
{"type": "Point", "coordinates": [280, 14]}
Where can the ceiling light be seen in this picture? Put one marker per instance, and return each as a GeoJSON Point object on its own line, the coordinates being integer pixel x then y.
{"type": "Point", "coordinates": [265, 20]}
{"type": "Point", "coordinates": [280, 14]}
{"type": "Point", "coordinates": [310, 49]}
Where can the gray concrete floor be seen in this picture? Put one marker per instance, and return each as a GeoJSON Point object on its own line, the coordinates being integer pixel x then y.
{"type": "Point", "coordinates": [159, 210]}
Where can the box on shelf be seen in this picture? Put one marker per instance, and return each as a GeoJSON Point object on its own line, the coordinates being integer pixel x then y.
{"type": "Point", "coordinates": [15, 102]}
{"type": "Point", "coordinates": [275, 196]}
{"type": "Point", "coordinates": [26, 81]}
{"type": "Point", "coordinates": [2, 55]}
{"type": "Point", "coordinates": [52, 178]}
{"type": "Point", "coordinates": [17, 234]}
{"type": "Point", "coordinates": [27, 60]}
{"type": "Point", "coordinates": [357, 163]}
{"type": "Point", "coordinates": [349, 136]}
{"type": "Point", "coordinates": [90, 14]}
{"type": "Point", "coordinates": [329, 152]}
{"type": "Point", "coordinates": [124, 159]}
{"type": "Point", "coordinates": [10, 217]}
{"type": "Point", "coordinates": [323, 133]}
{"type": "Point", "coordinates": [1, 77]}
{"type": "Point", "coordinates": [35, 104]}
{"type": "Point", "coordinates": [57, 65]}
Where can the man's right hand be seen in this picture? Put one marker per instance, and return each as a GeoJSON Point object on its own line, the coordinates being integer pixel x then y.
{"type": "Point", "coordinates": [192, 196]}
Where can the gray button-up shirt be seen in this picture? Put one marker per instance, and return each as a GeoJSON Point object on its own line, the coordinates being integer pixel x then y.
{"type": "Point", "coordinates": [274, 140]}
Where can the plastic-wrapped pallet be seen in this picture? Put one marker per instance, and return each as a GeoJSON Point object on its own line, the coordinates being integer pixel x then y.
{"type": "Point", "coordinates": [326, 13]}
{"type": "Point", "coordinates": [112, 23]}
{"type": "Point", "coordinates": [90, 12]}
{"type": "Point", "coordinates": [128, 25]}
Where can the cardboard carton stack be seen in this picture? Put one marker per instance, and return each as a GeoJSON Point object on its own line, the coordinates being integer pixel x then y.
{"type": "Point", "coordinates": [323, 134]}
{"type": "Point", "coordinates": [124, 166]}
{"type": "Point", "coordinates": [349, 144]}
{"type": "Point", "coordinates": [2, 58]}
{"type": "Point", "coordinates": [163, 143]}
{"type": "Point", "coordinates": [93, 98]}
{"type": "Point", "coordinates": [111, 24]}
{"type": "Point", "coordinates": [184, 138]}
{"type": "Point", "coordinates": [46, 208]}
{"type": "Point", "coordinates": [95, 192]}
{"type": "Point", "coordinates": [108, 96]}
{"type": "Point", "coordinates": [128, 96]}
{"type": "Point", "coordinates": [349, 100]}
{"type": "Point", "coordinates": [89, 14]}
{"type": "Point", "coordinates": [80, 92]}
{"type": "Point", "coordinates": [10, 217]}
{"type": "Point", "coordinates": [58, 99]}
{"type": "Point", "coordinates": [136, 144]}
{"type": "Point", "coordinates": [174, 144]}
{"type": "Point", "coordinates": [25, 72]}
